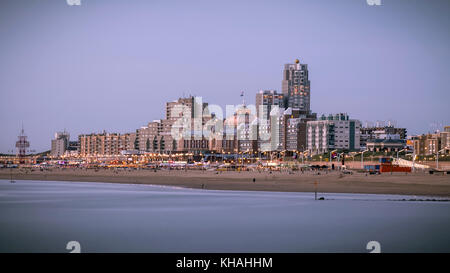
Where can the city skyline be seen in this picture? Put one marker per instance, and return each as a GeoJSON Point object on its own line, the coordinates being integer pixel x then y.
{"type": "Point", "coordinates": [57, 78]}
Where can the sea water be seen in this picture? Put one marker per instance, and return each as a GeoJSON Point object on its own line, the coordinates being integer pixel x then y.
{"type": "Point", "coordinates": [43, 216]}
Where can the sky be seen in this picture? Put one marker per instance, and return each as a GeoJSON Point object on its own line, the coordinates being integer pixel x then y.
{"type": "Point", "coordinates": [112, 64]}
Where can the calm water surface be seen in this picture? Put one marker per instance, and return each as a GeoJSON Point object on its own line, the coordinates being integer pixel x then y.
{"type": "Point", "coordinates": [42, 216]}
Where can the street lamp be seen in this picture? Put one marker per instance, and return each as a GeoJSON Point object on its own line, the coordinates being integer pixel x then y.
{"type": "Point", "coordinates": [400, 152]}
{"type": "Point", "coordinates": [331, 153]}
{"type": "Point", "coordinates": [305, 153]}
{"type": "Point", "coordinates": [362, 158]}
{"type": "Point", "coordinates": [352, 154]}
{"type": "Point", "coordinates": [437, 158]}
{"type": "Point", "coordinates": [339, 156]}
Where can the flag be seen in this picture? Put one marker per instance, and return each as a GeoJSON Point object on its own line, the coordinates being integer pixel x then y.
{"type": "Point", "coordinates": [333, 155]}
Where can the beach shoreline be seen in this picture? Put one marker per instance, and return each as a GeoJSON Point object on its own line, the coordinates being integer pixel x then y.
{"type": "Point", "coordinates": [422, 184]}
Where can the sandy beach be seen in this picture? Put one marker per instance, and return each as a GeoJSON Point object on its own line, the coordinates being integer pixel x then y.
{"type": "Point", "coordinates": [419, 183]}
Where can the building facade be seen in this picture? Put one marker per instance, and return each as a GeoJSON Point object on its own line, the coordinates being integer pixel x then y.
{"type": "Point", "coordinates": [388, 145]}
{"type": "Point", "coordinates": [445, 139]}
{"type": "Point", "coordinates": [431, 144]}
{"type": "Point", "coordinates": [60, 144]}
{"type": "Point", "coordinates": [369, 134]}
{"type": "Point", "coordinates": [292, 129]}
{"type": "Point", "coordinates": [156, 137]}
{"type": "Point", "coordinates": [335, 132]}
{"type": "Point", "coordinates": [269, 106]}
{"type": "Point", "coordinates": [189, 115]}
{"type": "Point", "coordinates": [296, 86]}
{"type": "Point", "coordinates": [105, 143]}
{"type": "Point", "coordinates": [266, 100]}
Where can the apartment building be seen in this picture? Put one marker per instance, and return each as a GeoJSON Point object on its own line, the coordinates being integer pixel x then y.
{"type": "Point", "coordinates": [369, 134]}
{"type": "Point", "coordinates": [266, 100]}
{"type": "Point", "coordinates": [430, 144]}
{"type": "Point", "coordinates": [60, 144]}
{"type": "Point", "coordinates": [296, 86]}
{"type": "Point", "coordinates": [180, 131]}
{"type": "Point", "coordinates": [335, 132]}
{"type": "Point", "coordinates": [106, 143]}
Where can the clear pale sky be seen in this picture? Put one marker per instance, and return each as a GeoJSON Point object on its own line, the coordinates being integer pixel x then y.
{"type": "Point", "coordinates": [111, 65]}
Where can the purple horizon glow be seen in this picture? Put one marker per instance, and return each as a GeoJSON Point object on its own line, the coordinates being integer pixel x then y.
{"type": "Point", "coordinates": [112, 65]}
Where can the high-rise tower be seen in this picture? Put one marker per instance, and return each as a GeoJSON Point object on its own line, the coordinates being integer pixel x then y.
{"type": "Point", "coordinates": [296, 86]}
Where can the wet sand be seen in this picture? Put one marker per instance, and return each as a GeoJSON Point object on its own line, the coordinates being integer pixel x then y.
{"type": "Point", "coordinates": [397, 183]}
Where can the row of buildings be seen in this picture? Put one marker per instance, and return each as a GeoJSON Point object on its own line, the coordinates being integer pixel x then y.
{"type": "Point", "coordinates": [277, 122]}
{"type": "Point", "coordinates": [432, 144]}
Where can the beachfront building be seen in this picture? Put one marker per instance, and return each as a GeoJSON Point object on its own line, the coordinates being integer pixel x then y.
{"type": "Point", "coordinates": [427, 144]}
{"type": "Point", "coordinates": [246, 131]}
{"type": "Point", "coordinates": [73, 149]}
{"type": "Point", "coordinates": [60, 144]}
{"type": "Point", "coordinates": [335, 132]}
{"type": "Point", "coordinates": [369, 134]}
{"type": "Point", "coordinates": [445, 139]}
{"type": "Point", "coordinates": [265, 102]}
{"type": "Point", "coordinates": [292, 122]}
{"type": "Point", "coordinates": [240, 133]}
{"type": "Point", "coordinates": [296, 86]}
{"type": "Point", "coordinates": [235, 134]}
{"type": "Point", "coordinates": [430, 144]}
{"type": "Point", "coordinates": [292, 129]}
{"type": "Point", "coordinates": [269, 132]}
{"type": "Point", "coordinates": [156, 137]}
{"type": "Point", "coordinates": [189, 115]}
{"type": "Point", "coordinates": [105, 143]}
{"type": "Point", "coordinates": [295, 134]}
{"type": "Point", "coordinates": [270, 106]}
{"type": "Point", "coordinates": [388, 145]}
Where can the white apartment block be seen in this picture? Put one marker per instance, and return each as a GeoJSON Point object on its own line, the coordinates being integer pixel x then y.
{"type": "Point", "coordinates": [60, 143]}
{"type": "Point", "coordinates": [336, 132]}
